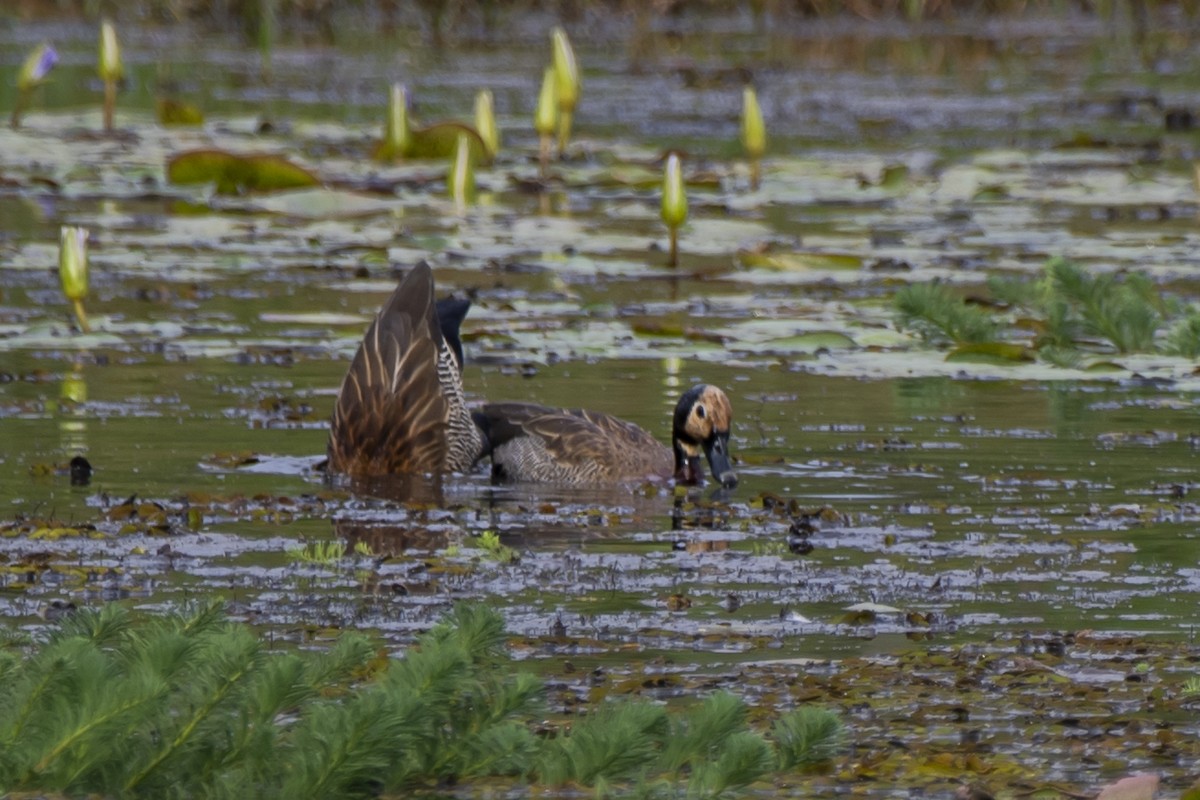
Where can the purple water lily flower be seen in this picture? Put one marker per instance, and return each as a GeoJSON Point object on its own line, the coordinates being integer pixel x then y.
{"type": "Point", "coordinates": [37, 66]}
{"type": "Point", "coordinates": [46, 61]}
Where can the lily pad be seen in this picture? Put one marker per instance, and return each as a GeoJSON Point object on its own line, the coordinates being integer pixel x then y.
{"type": "Point", "coordinates": [237, 174]}
{"type": "Point", "coordinates": [992, 353]}
{"type": "Point", "coordinates": [436, 141]}
{"type": "Point", "coordinates": [801, 260]}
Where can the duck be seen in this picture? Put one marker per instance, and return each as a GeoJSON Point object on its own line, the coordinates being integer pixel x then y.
{"type": "Point", "coordinates": [402, 409]}
{"type": "Point", "coordinates": [531, 443]}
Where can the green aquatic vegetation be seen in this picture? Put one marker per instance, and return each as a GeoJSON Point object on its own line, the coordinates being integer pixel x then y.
{"type": "Point", "coordinates": [754, 134]}
{"type": "Point", "coordinates": [191, 704]}
{"type": "Point", "coordinates": [73, 270]}
{"type": "Point", "coordinates": [566, 79]}
{"type": "Point", "coordinates": [326, 552]}
{"type": "Point", "coordinates": [938, 314]}
{"type": "Point", "coordinates": [1183, 339]}
{"type": "Point", "coordinates": [1068, 309]}
{"type": "Point", "coordinates": [674, 206]}
{"type": "Point", "coordinates": [1126, 313]}
{"type": "Point", "coordinates": [806, 737]}
{"type": "Point", "coordinates": [111, 70]}
{"type": "Point", "coordinates": [489, 542]}
{"type": "Point", "coordinates": [237, 174]}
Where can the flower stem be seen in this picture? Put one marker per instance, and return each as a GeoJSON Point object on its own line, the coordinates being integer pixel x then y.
{"type": "Point", "coordinates": [544, 155]}
{"type": "Point", "coordinates": [110, 103]}
{"type": "Point", "coordinates": [81, 315]}
{"type": "Point", "coordinates": [564, 131]}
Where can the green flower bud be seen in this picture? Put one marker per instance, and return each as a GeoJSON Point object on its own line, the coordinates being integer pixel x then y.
{"type": "Point", "coordinates": [73, 262]}
{"type": "Point", "coordinates": [566, 70]}
{"type": "Point", "coordinates": [754, 132]}
{"type": "Point", "coordinates": [485, 122]}
{"type": "Point", "coordinates": [674, 196]}
{"type": "Point", "coordinates": [110, 67]}
{"type": "Point", "coordinates": [546, 117]}
{"type": "Point", "coordinates": [396, 137]}
{"type": "Point", "coordinates": [461, 181]}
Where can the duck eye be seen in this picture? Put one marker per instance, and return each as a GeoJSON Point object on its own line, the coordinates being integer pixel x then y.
{"type": "Point", "coordinates": [700, 412]}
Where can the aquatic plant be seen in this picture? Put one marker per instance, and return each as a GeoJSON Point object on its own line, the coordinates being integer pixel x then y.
{"type": "Point", "coordinates": [938, 314]}
{"type": "Point", "coordinates": [404, 139]}
{"type": "Point", "coordinates": [485, 122]}
{"type": "Point", "coordinates": [545, 117]}
{"type": "Point", "coordinates": [1067, 308]}
{"type": "Point", "coordinates": [566, 83]}
{"type": "Point", "coordinates": [489, 542]}
{"type": "Point", "coordinates": [325, 552]}
{"type": "Point", "coordinates": [397, 140]}
{"type": "Point", "coordinates": [1184, 337]}
{"type": "Point", "coordinates": [191, 704]}
{"type": "Point", "coordinates": [233, 173]}
{"type": "Point", "coordinates": [806, 737]}
{"type": "Point", "coordinates": [73, 270]}
{"type": "Point", "coordinates": [36, 67]}
{"type": "Point", "coordinates": [674, 203]}
{"type": "Point", "coordinates": [754, 134]}
{"type": "Point", "coordinates": [110, 69]}
{"type": "Point", "coordinates": [460, 180]}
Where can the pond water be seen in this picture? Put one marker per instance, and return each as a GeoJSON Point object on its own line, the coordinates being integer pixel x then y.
{"type": "Point", "coordinates": [972, 503]}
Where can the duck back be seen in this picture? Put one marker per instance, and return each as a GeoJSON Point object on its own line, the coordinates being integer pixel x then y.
{"type": "Point", "coordinates": [573, 447]}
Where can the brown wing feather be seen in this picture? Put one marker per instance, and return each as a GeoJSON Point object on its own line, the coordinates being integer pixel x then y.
{"type": "Point", "coordinates": [391, 414]}
{"type": "Point", "coordinates": [573, 445]}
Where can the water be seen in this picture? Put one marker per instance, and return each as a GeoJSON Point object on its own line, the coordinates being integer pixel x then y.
{"type": "Point", "coordinates": [994, 507]}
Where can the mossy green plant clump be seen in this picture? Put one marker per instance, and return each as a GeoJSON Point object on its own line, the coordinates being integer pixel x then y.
{"type": "Point", "coordinates": [194, 705]}
{"type": "Point", "coordinates": [1063, 315]}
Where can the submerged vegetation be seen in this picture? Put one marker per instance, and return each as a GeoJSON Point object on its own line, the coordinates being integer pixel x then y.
{"type": "Point", "coordinates": [190, 704]}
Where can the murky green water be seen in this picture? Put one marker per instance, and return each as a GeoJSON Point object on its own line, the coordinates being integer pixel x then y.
{"type": "Point", "coordinates": [988, 501]}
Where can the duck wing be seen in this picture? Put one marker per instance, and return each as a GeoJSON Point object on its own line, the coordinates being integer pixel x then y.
{"type": "Point", "coordinates": [530, 442]}
{"type": "Point", "coordinates": [392, 413]}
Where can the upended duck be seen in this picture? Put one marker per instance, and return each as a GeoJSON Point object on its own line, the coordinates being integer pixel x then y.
{"type": "Point", "coordinates": [402, 409]}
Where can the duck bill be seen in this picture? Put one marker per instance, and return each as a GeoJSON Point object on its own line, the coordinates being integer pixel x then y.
{"type": "Point", "coordinates": [717, 450]}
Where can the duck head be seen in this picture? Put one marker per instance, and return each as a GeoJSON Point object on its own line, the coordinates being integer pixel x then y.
{"type": "Point", "coordinates": [702, 421]}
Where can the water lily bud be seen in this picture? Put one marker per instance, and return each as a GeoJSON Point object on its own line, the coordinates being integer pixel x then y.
{"type": "Point", "coordinates": [37, 66]}
{"type": "Point", "coordinates": [461, 181]}
{"type": "Point", "coordinates": [485, 122]}
{"type": "Point", "coordinates": [566, 70]}
{"type": "Point", "coordinates": [73, 262]}
{"type": "Point", "coordinates": [674, 196]}
{"type": "Point", "coordinates": [754, 132]}
{"type": "Point", "coordinates": [546, 116]}
{"type": "Point", "coordinates": [396, 138]}
{"type": "Point", "coordinates": [110, 67]}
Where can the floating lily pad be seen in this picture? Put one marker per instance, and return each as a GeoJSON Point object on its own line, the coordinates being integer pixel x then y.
{"type": "Point", "coordinates": [438, 140]}
{"type": "Point", "coordinates": [801, 260]}
{"type": "Point", "coordinates": [237, 174]}
{"type": "Point", "coordinates": [992, 353]}
{"type": "Point", "coordinates": [176, 112]}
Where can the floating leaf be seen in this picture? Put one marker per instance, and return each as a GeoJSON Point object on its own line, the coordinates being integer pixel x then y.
{"type": "Point", "coordinates": [439, 141]}
{"type": "Point", "coordinates": [813, 341]}
{"type": "Point", "coordinates": [798, 260]}
{"type": "Point", "coordinates": [992, 353]}
{"type": "Point", "coordinates": [235, 174]}
{"type": "Point", "coordinates": [175, 112]}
